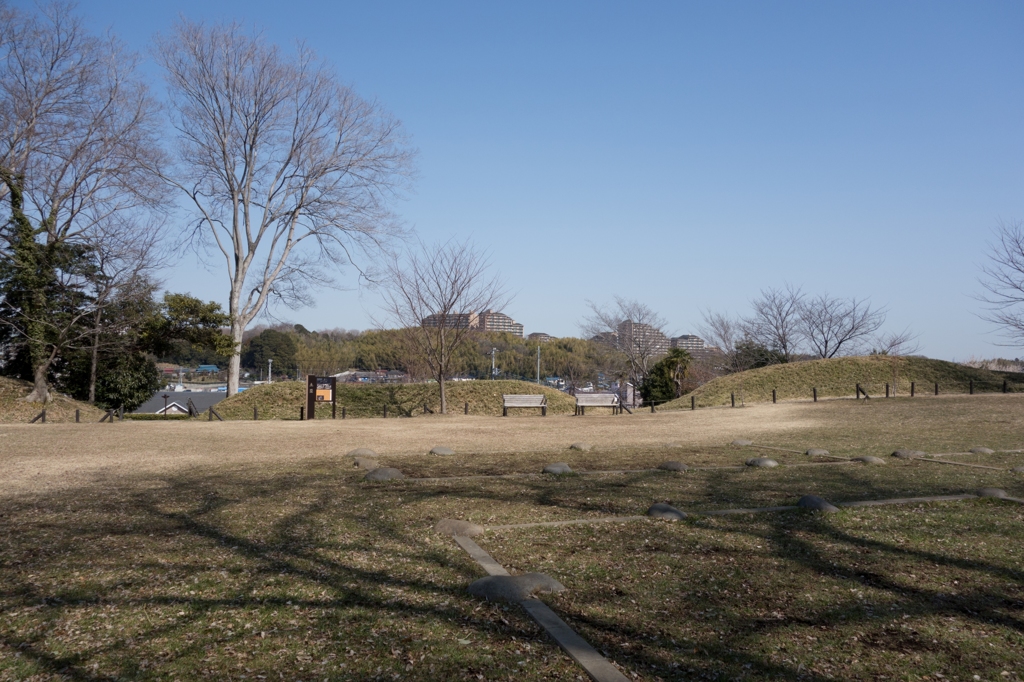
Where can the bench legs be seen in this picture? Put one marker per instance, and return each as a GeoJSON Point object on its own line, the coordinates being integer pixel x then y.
{"type": "Point", "coordinates": [543, 410]}
{"type": "Point", "coordinates": [504, 412]}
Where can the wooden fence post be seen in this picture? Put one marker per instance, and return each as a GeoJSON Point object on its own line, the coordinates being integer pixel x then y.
{"type": "Point", "coordinates": [120, 414]}
{"type": "Point", "coordinates": [1004, 386]}
{"type": "Point", "coordinates": [693, 402]}
{"type": "Point", "coordinates": [732, 397]}
{"type": "Point", "coordinates": [652, 407]}
{"type": "Point", "coordinates": [78, 416]}
{"type": "Point", "coordinates": [936, 388]}
{"type": "Point", "coordinates": [302, 413]}
{"type": "Point", "coordinates": [467, 407]}
{"type": "Point", "coordinates": [814, 391]}
{"type": "Point", "coordinates": [856, 395]}
{"type": "Point", "coordinates": [971, 389]}
{"type": "Point", "coordinates": [774, 397]}
{"type": "Point", "coordinates": [911, 389]}
{"type": "Point", "coordinates": [342, 411]}
{"type": "Point", "coordinates": [887, 389]}
{"type": "Point", "coordinates": [255, 414]}
{"type": "Point", "coordinates": [385, 410]}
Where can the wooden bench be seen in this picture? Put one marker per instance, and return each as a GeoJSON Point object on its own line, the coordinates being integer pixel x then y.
{"type": "Point", "coordinates": [585, 400]}
{"type": "Point", "coordinates": [535, 400]}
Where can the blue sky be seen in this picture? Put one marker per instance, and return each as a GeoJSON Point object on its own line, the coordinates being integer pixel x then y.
{"type": "Point", "coordinates": [683, 154]}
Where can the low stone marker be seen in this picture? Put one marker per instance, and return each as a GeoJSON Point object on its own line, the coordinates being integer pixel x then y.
{"type": "Point", "coordinates": [818, 452]}
{"type": "Point", "coordinates": [673, 445]}
{"type": "Point", "coordinates": [742, 442]}
{"type": "Point", "coordinates": [868, 459]}
{"type": "Point", "coordinates": [458, 527]}
{"type": "Point", "coordinates": [660, 510]}
{"type": "Point", "coordinates": [763, 462]}
{"type": "Point", "coordinates": [673, 466]}
{"type": "Point", "coordinates": [557, 468]}
{"type": "Point", "coordinates": [514, 588]}
{"type": "Point", "coordinates": [982, 451]}
{"type": "Point", "coordinates": [903, 453]}
{"type": "Point", "coordinates": [442, 450]}
{"type": "Point", "coordinates": [992, 492]}
{"type": "Point", "coordinates": [362, 452]}
{"type": "Point", "coordinates": [583, 447]}
{"type": "Point", "coordinates": [815, 503]}
{"type": "Point", "coordinates": [365, 463]}
{"type": "Point", "coordinates": [384, 474]}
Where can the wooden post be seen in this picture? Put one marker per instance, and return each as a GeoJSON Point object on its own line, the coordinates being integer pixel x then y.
{"type": "Point", "coordinates": [302, 413]}
{"type": "Point", "coordinates": [120, 414]}
{"type": "Point", "coordinates": [971, 390]}
{"type": "Point", "coordinates": [732, 397]}
{"type": "Point", "coordinates": [814, 392]}
{"type": "Point", "coordinates": [334, 409]}
{"type": "Point", "coordinates": [78, 415]}
{"type": "Point", "coordinates": [504, 411]}
{"type": "Point", "coordinates": [912, 388]}
{"type": "Point", "coordinates": [342, 411]}
{"type": "Point", "coordinates": [652, 407]}
{"type": "Point", "coordinates": [544, 410]}
{"type": "Point", "coordinates": [693, 402]}
{"type": "Point", "coordinates": [936, 388]}
{"type": "Point", "coordinates": [424, 408]}
{"type": "Point", "coordinates": [385, 410]}
{"type": "Point", "coordinates": [1004, 386]}
{"type": "Point", "coordinates": [255, 414]}
{"type": "Point", "coordinates": [857, 394]}
{"type": "Point", "coordinates": [887, 389]}
{"type": "Point", "coordinates": [467, 408]}
{"type": "Point", "coordinates": [209, 416]}
{"type": "Point", "coordinates": [38, 417]}
{"type": "Point", "coordinates": [775, 397]}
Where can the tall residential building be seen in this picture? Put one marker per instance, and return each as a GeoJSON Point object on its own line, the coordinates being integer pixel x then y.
{"type": "Point", "coordinates": [453, 320]}
{"type": "Point", "coordinates": [688, 342]}
{"type": "Point", "coordinates": [634, 334]}
{"type": "Point", "coordinates": [487, 320]}
{"type": "Point", "coordinates": [491, 321]}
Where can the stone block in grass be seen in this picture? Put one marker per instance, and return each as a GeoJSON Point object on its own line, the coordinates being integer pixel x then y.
{"type": "Point", "coordinates": [660, 510]}
{"type": "Point", "coordinates": [582, 447]}
{"type": "Point", "coordinates": [458, 527]}
{"type": "Point", "coordinates": [514, 588]}
{"type": "Point", "coordinates": [673, 446]}
{"type": "Point", "coordinates": [762, 462]}
{"type": "Point", "coordinates": [868, 459]}
{"type": "Point", "coordinates": [367, 463]}
{"type": "Point", "coordinates": [981, 451]}
{"type": "Point", "coordinates": [673, 466]}
{"type": "Point", "coordinates": [558, 468]}
{"type": "Point", "coordinates": [815, 503]}
{"type": "Point", "coordinates": [384, 474]}
{"type": "Point", "coordinates": [903, 453]}
{"type": "Point", "coordinates": [441, 450]}
{"type": "Point", "coordinates": [362, 452]}
{"type": "Point", "coordinates": [818, 452]}
{"type": "Point", "coordinates": [742, 442]}
{"type": "Point", "coordinates": [991, 492]}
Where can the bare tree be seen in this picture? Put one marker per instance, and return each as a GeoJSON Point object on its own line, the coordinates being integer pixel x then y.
{"type": "Point", "coordinates": [434, 295]}
{"type": "Point", "coordinates": [1003, 279]}
{"type": "Point", "coordinates": [838, 326]}
{"type": "Point", "coordinates": [724, 333]}
{"type": "Point", "coordinates": [639, 333]}
{"type": "Point", "coordinates": [775, 321]}
{"type": "Point", "coordinates": [289, 171]}
{"type": "Point", "coordinates": [77, 146]}
{"type": "Point", "coordinates": [896, 343]}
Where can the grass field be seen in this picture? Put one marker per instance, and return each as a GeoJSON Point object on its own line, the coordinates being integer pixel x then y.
{"type": "Point", "coordinates": [838, 377]}
{"type": "Point", "coordinates": [60, 409]}
{"type": "Point", "coordinates": [244, 550]}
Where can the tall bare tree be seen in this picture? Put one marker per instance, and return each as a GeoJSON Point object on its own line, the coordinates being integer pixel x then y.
{"type": "Point", "coordinates": [289, 172]}
{"type": "Point", "coordinates": [774, 322]}
{"type": "Point", "coordinates": [838, 326]}
{"type": "Point", "coordinates": [434, 295]}
{"type": "Point", "coordinates": [723, 332]}
{"type": "Point", "coordinates": [1003, 279]}
{"type": "Point", "coordinates": [639, 333]}
{"type": "Point", "coordinates": [77, 147]}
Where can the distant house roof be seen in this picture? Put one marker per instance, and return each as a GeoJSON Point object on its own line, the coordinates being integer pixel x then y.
{"type": "Point", "coordinates": [202, 401]}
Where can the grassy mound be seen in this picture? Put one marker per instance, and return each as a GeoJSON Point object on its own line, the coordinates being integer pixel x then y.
{"type": "Point", "coordinates": [60, 408]}
{"type": "Point", "coordinates": [838, 377]}
{"type": "Point", "coordinates": [283, 400]}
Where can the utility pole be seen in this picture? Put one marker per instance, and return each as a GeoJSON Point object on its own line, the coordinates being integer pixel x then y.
{"type": "Point", "coordinates": [492, 362]}
{"type": "Point", "coordinates": [538, 363]}
{"type": "Point", "coordinates": [270, 370]}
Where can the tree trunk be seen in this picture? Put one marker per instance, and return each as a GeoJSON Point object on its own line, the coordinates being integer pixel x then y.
{"type": "Point", "coordinates": [95, 360]}
{"type": "Point", "coordinates": [235, 363]}
{"type": "Point", "coordinates": [40, 390]}
{"type": "Point", "coordinates": [444, 399]}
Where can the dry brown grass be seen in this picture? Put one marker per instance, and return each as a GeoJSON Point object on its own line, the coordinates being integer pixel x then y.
{"type": "Point", "coordinates": [240, 549]}
{"type": "Point", "coordinates": [60, 409]}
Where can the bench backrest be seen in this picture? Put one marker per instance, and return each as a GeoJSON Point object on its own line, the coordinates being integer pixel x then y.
{"type": "Point", "coordinates": [597, 399]}
{"type": "Point", "coordinates": [525, 400]}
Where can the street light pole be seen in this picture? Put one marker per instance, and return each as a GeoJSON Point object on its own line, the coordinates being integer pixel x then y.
{"type": "Point", "coordinates": [492, 363]}
{"type": "Point", "coordinates": [270, 370]}
{"type": "Point", "coordinates": [538, 363]}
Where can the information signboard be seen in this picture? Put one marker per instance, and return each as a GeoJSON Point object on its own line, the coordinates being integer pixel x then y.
{"type": "Point", "coordinates": [320, 390]}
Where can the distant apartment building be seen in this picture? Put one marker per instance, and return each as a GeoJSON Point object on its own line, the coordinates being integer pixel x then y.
{"type": "Point", "coordinates": [540, 337]}
{"type": "Point", "coordinates": [487, 320]}
{"type": "Point", "coordinates": [688, 342]}
{"type": "Point", "coordinates": [491, 321]}
{"type": "Point", "coordinates": [636, 334]}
